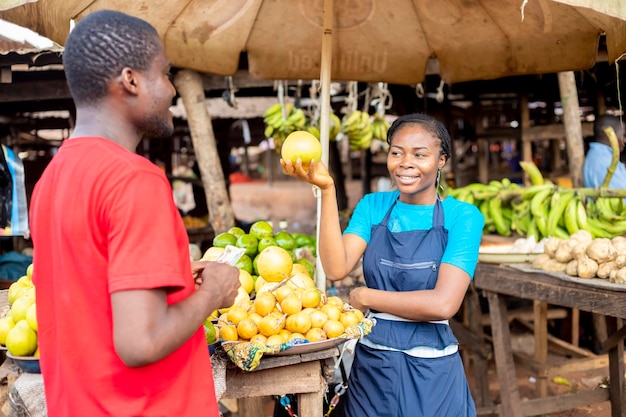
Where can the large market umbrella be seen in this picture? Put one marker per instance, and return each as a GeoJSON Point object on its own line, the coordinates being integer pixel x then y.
{"type": "Point", "coordinates": [392, 41]}
{"type": "Point", "coordinates": [373, 40]}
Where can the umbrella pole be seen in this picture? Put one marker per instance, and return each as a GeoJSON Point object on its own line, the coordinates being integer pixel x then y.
{"type": "Point", "coordinates": [326, 65]}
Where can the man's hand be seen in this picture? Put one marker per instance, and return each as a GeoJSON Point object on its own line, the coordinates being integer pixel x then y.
{"type": "Point", "coordinates": [221, 282]}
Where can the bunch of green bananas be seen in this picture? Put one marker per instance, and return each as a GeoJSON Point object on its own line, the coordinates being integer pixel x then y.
{"type": "Point", "coordinates": [280, 122]}
{"type": "Point", "coordinates": [543, 210]}
{"type": "Point", "coordinates": [357, 127]}
{"type": "Point", "coordinates": [333, 130]}
{"type": "Point", "coordinates": [380, 126]}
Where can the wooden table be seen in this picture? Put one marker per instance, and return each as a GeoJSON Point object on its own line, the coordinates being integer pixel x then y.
{"type": "Point", "coordinates": [279, 375]}
{"type": "Point", "coordinates": [499, 280]}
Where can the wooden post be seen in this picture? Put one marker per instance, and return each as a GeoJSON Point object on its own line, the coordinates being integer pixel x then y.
{"type": "Point", "coordinates": [540, 309]}
{"type": "Point", "coordinates": [527, 146]}
{"type": "Point", "coordinates": [573, 127]}
{"type": "Point", "coordinates": [189, 85]}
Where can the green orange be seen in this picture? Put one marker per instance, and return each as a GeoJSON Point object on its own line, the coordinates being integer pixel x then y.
{"type": "Point", "coordinates": [285, 240]}
{"type": "Point", "coordinates": [248, 242]}
{"type": "Point", "coordinates": [261, 229]}
{"type": "Point", "coordinates": [224, 239]}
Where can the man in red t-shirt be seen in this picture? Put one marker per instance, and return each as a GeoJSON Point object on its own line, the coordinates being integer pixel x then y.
{"type": "Point", "coordinates": [120, 319]}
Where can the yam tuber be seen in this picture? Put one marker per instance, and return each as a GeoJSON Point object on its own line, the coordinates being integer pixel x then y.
{"type": "Point", "coordinates": [571, 268]}
{"type": "Point", "coordinates": [601, 250]}
{"type": "Point", "coordinates": [587, 267]}
{"type": "Point", "coordinates": [620, 260]}
{"type": "Point", "coordinates": [563, 252]}
{"type": "Point", "coordinates": [550, 246]}
{"type": "Point", "coordinates": [580, 248]}
{"type": "Point", "coordinates": [620, 276]}
{"type": "Point", "coordinates": [540, 260]}
{"type": "Point", "coordinates": [619, 243]}
{"type": "Point", "coordinates": [604, 269]}
{"type": "Point", "coordinates": [582, 236]}
{"type": "Point", "coordinates": [552, 265]}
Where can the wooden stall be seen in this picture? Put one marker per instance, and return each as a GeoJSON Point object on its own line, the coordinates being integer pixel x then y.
{"type": "Point", "coordinates": [302, 374]}
{"type": "Point", "coordinates": [499, 281]}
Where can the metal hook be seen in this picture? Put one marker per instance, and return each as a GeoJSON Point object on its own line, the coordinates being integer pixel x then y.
{"type": "Point", "coordinates": [419, 90]}
{"type": "Point", "coordinates": [229, 94]}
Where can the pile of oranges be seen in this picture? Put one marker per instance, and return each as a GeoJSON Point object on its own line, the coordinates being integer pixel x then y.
{"type": "Point", "coordinates": [287, 313]}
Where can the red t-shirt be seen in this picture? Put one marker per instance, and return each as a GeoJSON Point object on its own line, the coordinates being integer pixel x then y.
{"type": "Point", "coordinates": [103, 220]}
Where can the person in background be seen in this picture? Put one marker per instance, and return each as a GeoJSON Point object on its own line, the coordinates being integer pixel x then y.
{"type": "Point", "coordinates": [600, 154]}
{"type": "Point", "coordinates": [419, 255]}
{"type": "Point", "coordinates": [121, 323]}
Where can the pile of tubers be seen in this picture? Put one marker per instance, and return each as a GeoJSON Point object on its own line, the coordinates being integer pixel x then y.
{"type": "Point", "coordinates": [583, 256]}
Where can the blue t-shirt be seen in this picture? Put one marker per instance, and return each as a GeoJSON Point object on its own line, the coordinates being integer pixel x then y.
{"type": "Point", "coordinates": [597, 162]}
{"type": "Point", "coordinates": [463, 221]}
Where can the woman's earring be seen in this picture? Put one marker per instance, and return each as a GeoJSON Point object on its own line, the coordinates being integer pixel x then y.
{"type": "Point", "coordinates": [438, 185]}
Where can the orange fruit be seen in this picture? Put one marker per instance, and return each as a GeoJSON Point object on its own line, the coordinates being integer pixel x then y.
{"type": "Point", "coordinates": [334, 300]}
{"type": "Point", "coordinates": [291, 304]}
{"type": "Point", "coordinates": [256, 317]}
{"type": "Point", "coordinates": [311, 297]}
{"type": "Point", "coordinates": [301, 145]}
{"type": "Point", "coordinates": [247, 328]}
{"type": "Point", "coordinates": [236, 231]}
{"type": "Point", "coordinates": [315, 334]}
{"type": "Point", "coordinates": [285, 240]}
{"type": "Point", "coordinates": [274, 264]}
{"type": "Point", "coordinates": [249, 243]}
{"type": "Point", "coordinates": [264, 303]}
{"type": "Point", "coordinates": [236, 314]}
{"type": "Point", "coordinates": [246, 281]}
{"type": "Point", "coordinates": [333, 328]}
{"type": "Point", "coordinates": [310, 266]}
{"type": "Point", "coordinates": [224, 239]}
{"type": "Point", "coordinates": [349, 318]}
{"type": "Point", "coordinates": [300, 279]}
{"type": "Point", "coordinates": [332, 311]}
{"type": "Point", "coordinates": [282, 292]}
{"type": "Point", "coordinates": [212, 253]}
{"type": "Point", "coordinates": [229, 332]}
{"type": "Point", "coordinates": [258, 338]}
{"type": "Point", "coordinates": [261, 229]}
{"type": "Point", "coordinates": [318, 319]}
{"type": "Point", "coordinates": [275, 339]}
{"type": "Point", "coordinates": [271, 324]}
{"type": "Point", "coordinates": [296, 336]}
{"type": "Point", "coordinates": [298, 323]}
{"type": "Point", "coordinates": [266, 242]}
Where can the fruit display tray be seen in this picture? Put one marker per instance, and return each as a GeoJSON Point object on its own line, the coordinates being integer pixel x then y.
{"type": "Point", "coordinates": [592, 282]}
{"type": "Point", "coordinates": [311, 347]}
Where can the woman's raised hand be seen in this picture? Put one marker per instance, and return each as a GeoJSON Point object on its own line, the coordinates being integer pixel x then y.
{"type": "Point", "coordinates": [315, 173]}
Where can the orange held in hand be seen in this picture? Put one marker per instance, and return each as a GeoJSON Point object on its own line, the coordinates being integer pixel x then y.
{"type": "Point", "coordinates": [301, 144]}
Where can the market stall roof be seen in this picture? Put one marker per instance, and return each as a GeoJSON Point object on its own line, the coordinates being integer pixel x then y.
{"type": "Point", "coordinates": [373, 40]}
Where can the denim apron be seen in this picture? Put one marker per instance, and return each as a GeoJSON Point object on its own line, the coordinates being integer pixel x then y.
{"type": "Point", "coordinates": [387, 381]}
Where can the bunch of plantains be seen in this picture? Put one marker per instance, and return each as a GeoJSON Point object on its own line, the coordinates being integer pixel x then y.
{"type": "Point", "coordinates": [543, 209]}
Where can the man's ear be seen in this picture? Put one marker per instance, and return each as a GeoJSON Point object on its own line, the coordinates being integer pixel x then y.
{"type": "Point", "coordinates": [129, 80]}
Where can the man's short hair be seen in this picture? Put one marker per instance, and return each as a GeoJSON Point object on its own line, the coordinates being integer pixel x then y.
{"type": "Point", "coordinates": [100, 46]}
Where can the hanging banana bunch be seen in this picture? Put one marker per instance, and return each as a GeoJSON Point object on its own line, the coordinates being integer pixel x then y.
{"type": "Point", "coordinates": [357, 127]}
{"type": "Point", "coordinates": [380, 126]}
{"type": "Point", "coordinates": [333, 130]}
{"type": "Point", "coordinates": [280, 121]}
{"type": "Point", "coordinates": [381, 103]}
